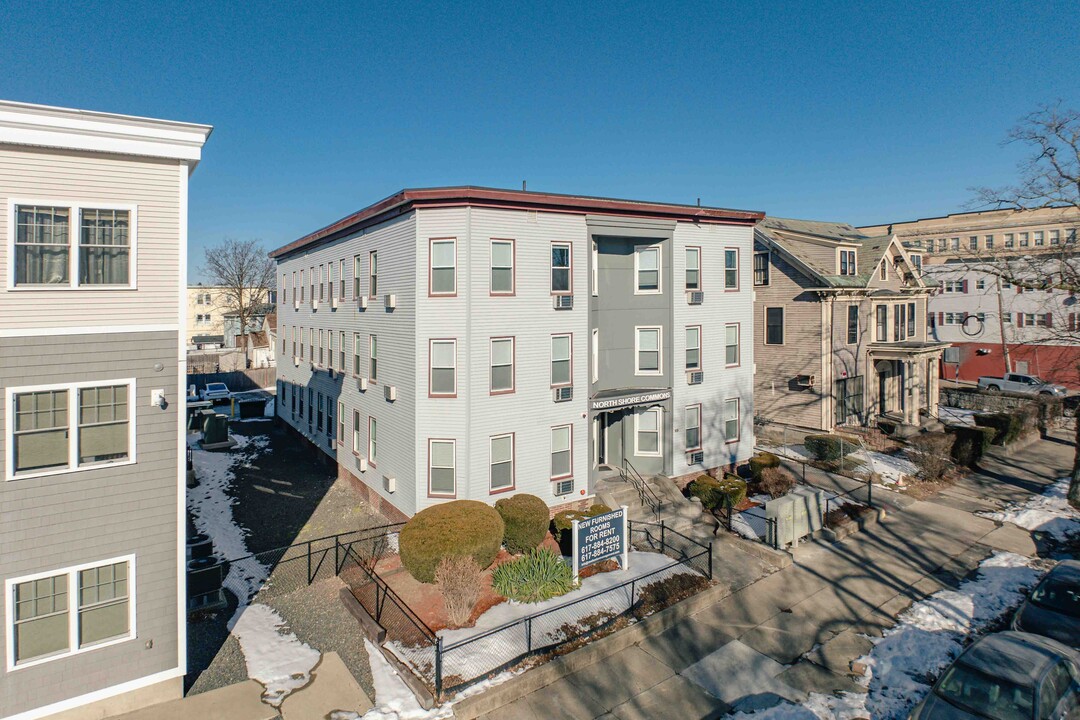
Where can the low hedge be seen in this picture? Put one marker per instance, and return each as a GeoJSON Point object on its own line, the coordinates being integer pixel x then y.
{"type": "Point", "coordinates": [459, 527]}
{"type": "Point", "coordinates": [761, 461]}
{"type": "Point", "coordinates": [1007, 426]}
{"type": "Point", "coordinates": [718, 493]}
{"type": "Point", "coordinates": [830, 447]}
{"type": "Point", "coordinates": [971, 444]}
{"type": "Point", "coordinates": [563, 521]}
{"type": "Point", "coordinates": [526, 520]}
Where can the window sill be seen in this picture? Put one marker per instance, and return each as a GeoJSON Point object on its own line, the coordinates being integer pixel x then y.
{"type": "Point", "coordinates": [71, 288]}
{"type": "Point", "coordinates": [68, 470]}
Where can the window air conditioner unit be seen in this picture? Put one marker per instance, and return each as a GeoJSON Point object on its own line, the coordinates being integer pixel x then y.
{"type": "Point", "coordinates": [361, 463]}
{"type": "Point", "coordinates": [361, 384]}
{"type": "Point", "coordinates": [563, 302]}
{"type": "Point", "coordinates": [390, 392]}
{"type": "Point", "coordinates": [390, 301]}
{"type": "Point", "coordinates": [389, 483]}
{"type": "Point", "coordinates": [362, 302]}
{"type": "Point", "coordinates": [696, 457]}
{"type": "Point", "coordinates": [562, 394]}
{"type": "Point", "coordinates": [296, 361]}
{"type": "Point", "coordinates": [314, 303]}
{"type": "Point", "coordinates": [695, 377]}
{"type": "Point", "coordinates": [296, 304]}
{"type": "Point", "coordinates": [333, 303]}
{"type": "Point", "coordinates": [695, 297]}
{"type": "Point", "coordinates": [805, 381]}
{"type": "Point", "coordinates": [564, 487]}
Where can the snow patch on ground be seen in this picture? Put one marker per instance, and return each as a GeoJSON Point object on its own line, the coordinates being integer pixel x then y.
{"type": "Point", "coordinates": [274, 656]}
{"type": "Point", "coordinates": [891, 468]}
{"type": "Point", "coordinates": [1049, 513]}
{"type": "Point", "coordinates": [956, 416]}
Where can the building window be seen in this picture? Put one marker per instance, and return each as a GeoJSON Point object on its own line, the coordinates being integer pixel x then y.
{"type": "Point", "coordinates": [356, 354]}
{"type": "Point", "coordinates": [41, 438]}
{"type": "Point", "coordinates": [882, 316]}
{"type": "Point", "coordinates": [357, 274]}
{"type": "Point", "coordinates": [373, 440]}
{"type": "Point", "coordinates": [647, 432]}
{"type": "Point", "coordinates": [852, 324]}
{"type": "Point", "coordinates": [916, 261]}
{"type": "Point", "coordinates": [45, 627]}
{"type": "Point", "coordinates": [693, 268]}
{"type": "Point", "coordinates": [104, 247]}
{"type": "Point", "coordinates": [341, 422]}
{"type": "Point", "coordinates": [322, 341]}
{"type": "Point", "coordinates": [899, 322]}
{"type": "Point", "coordinates": [761, 268]}
{"type": "Point", "coordinates": [330, 280]}
{"type": "Point", "coordinates": [732, 353]}
{"type": "Point", "coordinates": [341, 279]}
{"type": "Point", "coordinates": [1023, 239]}
{"type": "Point", "coordinates": [849, 400]}
{"type": "Point", "coordinates": [954, 243]}
{"type": "Point", "coordinates": [774, 326]}
{"type": "Point", "coordinates": [911, 319]}
{"type": "Point", "coordinates": [731, 269]}
{"type": "Point", "coordinates": [981, 317]}
{"type": "Point", "coordinates": [1009, 242]}
{"type": "Point", "coordinates": [847, 262]}
{"type": "Point", "coordinates": [692, 427]}
{"type": "Point", "coordinates": [731, 420]}
{"type": "Point", "coordinates": [373, 273]}
{"type": "Point", "coordinates": [42, 245]}
{"type": "Point", "coordinates": [373, 358]}
{"type": "Point", "coordinates": [322, 283]}
{"type": "Point", "coordinates": [329, 417]}
{"type": "Point", "coordinates": [502, 267]}
{"type": "Point", "coordinates": [561, 452]}
{"type": "Point", "coordinates": [443, 267]}
{"type": "Point", "coordinates": [501, 470]}
{"type": "Point", "coordinates": [444, 367]}
{"type": "Point", "coordinates": [647, 269]}
{"type": "Point", "coordinates": [942, 242]}
{"type": "Point", "coordinates": [299, 391]}
{"type": "Point", "coordinates": [442, 458]}
{"type": "Point", "coordinates": [560, 269]}
{"type": "Point", "coordinates": [980, 284]}
{"type": "Point", "coordinates": [693, 347]}
{"type": "Point", "coordinates": [1007, 318]}
{"type": "Point", "coordinates": [561, 367]}
{"type": "Point", "coordinates": [1039, 238]}
{"type": "Point", "coordinates": [988, 242]}
{"type": "Point", "coordinates": [319, 414]}
{"type": "Point", "coordinates": [502, 365]}
{"type": "Point", "coordinates": [356, 432]}
{"type": "Point", "coordinates": [884, 270]}
{"type": "Point", "coordinates": [314, 279]}
{"type": "Point", "coordinates": [595, 354]}
{"type": "Point", "coordinates": [647, 342]}
{"type": "Point", "coordinates": [973, 242]}
{"type": "Point", "coordinates": [1055, 237]}
{"type": "Point", "coordinates": [341, 352]}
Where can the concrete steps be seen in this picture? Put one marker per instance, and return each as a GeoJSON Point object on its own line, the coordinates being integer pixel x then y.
{"type": "Point", "coordinates": [676, 511]}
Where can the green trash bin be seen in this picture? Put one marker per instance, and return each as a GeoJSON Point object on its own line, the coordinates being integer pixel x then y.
{"type": "Point", "coordinates": [215, 429]}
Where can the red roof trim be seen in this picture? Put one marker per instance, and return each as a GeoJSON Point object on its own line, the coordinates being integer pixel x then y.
{"type": "Point", "coordinates": [406, 200]}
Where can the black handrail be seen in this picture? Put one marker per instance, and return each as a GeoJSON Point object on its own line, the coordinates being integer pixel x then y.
{"type": "Point", "coordinates": [646, 494]}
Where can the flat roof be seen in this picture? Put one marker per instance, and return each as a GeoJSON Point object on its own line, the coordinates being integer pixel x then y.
{"type": "Point", "coordinates": [461, 195]}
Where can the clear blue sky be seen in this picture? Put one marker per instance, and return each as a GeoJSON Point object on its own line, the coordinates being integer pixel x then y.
{"type": "Point", "coordinates": [828, 110]}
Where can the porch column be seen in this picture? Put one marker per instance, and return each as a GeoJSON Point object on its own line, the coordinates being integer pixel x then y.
{"type": "Point", "coordinates": [932, 373]}
{"type": "Point", "coordinates": [914, 380]}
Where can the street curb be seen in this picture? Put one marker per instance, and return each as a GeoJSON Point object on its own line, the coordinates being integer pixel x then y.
{"type": "Point", "coordinates": [543, 675]}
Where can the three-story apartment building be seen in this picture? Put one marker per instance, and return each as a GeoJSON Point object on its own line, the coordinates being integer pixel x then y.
{"type": "Point", "coordinates": [467, 343]}
{"type": "Point", "coordinates": [93, 212]}
{"type": "Point", "coordinates": [841, 335]}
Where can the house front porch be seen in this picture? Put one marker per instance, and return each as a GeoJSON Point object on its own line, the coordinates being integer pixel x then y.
{"type": "Point", "coordinates": [904, 386]}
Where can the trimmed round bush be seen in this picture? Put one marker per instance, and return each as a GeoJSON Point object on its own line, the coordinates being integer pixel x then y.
{"type": "Point", "coordinates": [563, 521]}
{"type": "Point", "coordinates": [718, 493]}
{"type": "Point", "coordinates": [761, 461]}
{"type": "Point", "coordinates": [830, 447]}
{"type": "Point", "coordinates": [775, 482]}
{"type": "Point", "coordinates": [526, 519]}
{"type": "Point", "coordinates": [459, 527]}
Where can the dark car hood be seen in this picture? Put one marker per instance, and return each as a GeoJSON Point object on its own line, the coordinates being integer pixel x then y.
{"type": "Point", "coordinates": [935, 708]}
{"type": "Point", "coordinates": [1033, 618]}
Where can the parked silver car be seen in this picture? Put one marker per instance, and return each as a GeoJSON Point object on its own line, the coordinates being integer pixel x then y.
{"type": "Point", "coordinates": [1053, 609]}
{"type": "Point", "coordinates": [215, 391]}
{"type": "Point", "coordinates": [1007, 676]}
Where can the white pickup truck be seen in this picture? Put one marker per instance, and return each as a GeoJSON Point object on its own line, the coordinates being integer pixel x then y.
{"type": "Point", "coordinates": [1024, 384]}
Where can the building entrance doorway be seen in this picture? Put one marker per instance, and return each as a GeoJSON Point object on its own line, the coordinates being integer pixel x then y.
{"type": "Point", "coordinates": [608, 434]}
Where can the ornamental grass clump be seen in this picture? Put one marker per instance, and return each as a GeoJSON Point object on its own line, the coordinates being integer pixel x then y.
{"type": "Point", "coordinates": [458, 580]}
{"type": "Point", "coordinates": [533, 578]}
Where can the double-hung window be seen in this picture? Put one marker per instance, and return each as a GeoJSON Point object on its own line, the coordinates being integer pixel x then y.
{"type": "Point", "coordinates": [341, 422]}
{"type": "Point", "coordinates": [852, 324]}
{"type": "Point", "coordinates": [105, 247]}
{"type": "Point", "coordinates": [443, 267]}
{"type": "Point", "coordinates": [322, 340]}
{"type": "Point", "coordinates": [502, 267]}
{"type": "Point", "coordinates": [647, 432]}
{"type": "Point", "coordinates": [692, 427]}
{"type": "Point", "coordinates": [442, 459]}
{"type": "Point", "coordinates": [693, 268]}
{"type": "Point", "coordinates": [319, 414]}
{"type": "Point", "coordinates": [693, 347]}
{"type": "Point", "coordinates": [330, 349]}
{"type": "Point", "coordinates": [501, 458]}
{"type": "Point", "coordinates": [373, 441]}
{"type": "Point", "coordinates": [65, 612]}
{"type": "Point", "coordinates": [444, 368]}
{"type": "Point", "coordinates": [356, 355]}
{"type": "Point", "coordinates": [341, 278]}
{"type": "Point", "coordinates": [561, 453]}
{"type": "Point", "coordinates": [882, 317]}
{"type": "Point", "coordinates": [731, 420]}
{"type": "Point", "coordinates": [43, 252]}
{"type": "Point", "coordinates": [731, 269]}
{"type": "Point", "coordinates": [647, 270]}
{"type": "Point", "coordinates": [322, 283]}
{"type": "Point", "coordinates": [732, 354]}
{"type": "Point", "coordinates": [561, 370]}
{"type": "Point", "coordinates": [358, 272]}
{"type": "Point", "coordinates": [561, 282]}
{"type": "Point", "coordinates": [80, 426]}
{"type": "Point", "coordinates": [356, 432]}
{"type": "Point", "coordinates": [314, 280]}
{"type": "Point", "coordinates": [911, 319]}
{"type": "Point", "coordinates": [502, 365]}
{"type": "Point", "coordinates": [373, 358]}
{"type": "Point", "coordinates": [774, 326]}
{"type": "Point", "coordinates": [647, 350]}
{"type": "Point", "coordinates": [761, 268]}
{"type": "Point", "coordinates": [341, 351]}
{"type": "Point", "coordinates": [373, 273]}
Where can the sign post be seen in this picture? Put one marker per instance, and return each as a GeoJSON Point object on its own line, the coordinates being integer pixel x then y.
{"type": "Point", "coordinates": [601, 538]}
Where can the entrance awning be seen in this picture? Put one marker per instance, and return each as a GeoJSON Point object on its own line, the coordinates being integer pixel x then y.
{"type": "Point", "coordinates": [907, 350]}
{"type": "Point", "coordinates": [627, 397]}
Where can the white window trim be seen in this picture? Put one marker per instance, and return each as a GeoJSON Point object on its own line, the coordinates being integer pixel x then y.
{"type": "Point", "coordinates": [73, 611]}
{"type": "Point", "coordinates": [431, 466]}
{"type": "Point", "coordinates": [853, 265]}
{"type": "Point", "coordinates": [73, 427]}
{"type": "Point", "coordinates": [596, 354]}
{"type": "Point", "coordinates": [452, 342]}
{"type": "Point", "coordinates": [74, 233]}
{"type": "Point", "coordinates": [432, 268]}
{"type": "Point", "coordinates": [659, 350]}
{"type": "Point", "coordinates": [513, 463]}
{"type": "Point", "coordinates": [659, 270]}
{"type": "Point", "coordinates": [659, 432]}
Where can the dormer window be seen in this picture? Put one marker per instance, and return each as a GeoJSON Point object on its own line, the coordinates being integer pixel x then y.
{"type": "Point", "coordinates": [847, 262]}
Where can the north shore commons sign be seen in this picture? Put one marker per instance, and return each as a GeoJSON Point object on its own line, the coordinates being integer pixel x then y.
{"type": "Point", "coordinates": [627, 400]}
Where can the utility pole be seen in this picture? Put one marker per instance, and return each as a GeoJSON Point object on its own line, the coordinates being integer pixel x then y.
{"type": "Point", "coordinates": [1001, 325]}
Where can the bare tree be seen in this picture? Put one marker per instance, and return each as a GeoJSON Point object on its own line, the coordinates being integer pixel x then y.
{"type": "Point", "coordinates": [245, 274]}
{"type": "Point", "coordinates": [1048, 178]}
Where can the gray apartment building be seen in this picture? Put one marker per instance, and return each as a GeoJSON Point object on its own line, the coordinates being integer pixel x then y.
{"type": "Point", "coordinates": [841, 333]}
{"type": "Point", "coordinates": [468, 342]}
{"type": "Point", "coordinates": [93, 212]}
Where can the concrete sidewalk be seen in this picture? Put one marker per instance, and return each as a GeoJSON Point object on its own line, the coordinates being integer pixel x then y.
{"type": "Point", "coordinates": [797, 630]}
